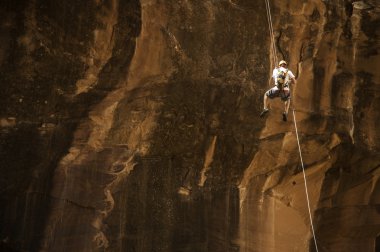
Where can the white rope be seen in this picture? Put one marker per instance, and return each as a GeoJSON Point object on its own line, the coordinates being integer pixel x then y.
{"type": "Point", "coordinates": [304, 178]}
{"type": "Point", "coordinates": [269, 16]}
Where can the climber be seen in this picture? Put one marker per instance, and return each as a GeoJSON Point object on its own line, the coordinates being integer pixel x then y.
{"type": "Point", "coordinates": [282, 77]}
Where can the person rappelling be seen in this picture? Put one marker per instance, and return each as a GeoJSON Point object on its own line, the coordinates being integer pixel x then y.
{"type": "Point", "coordinates": [283, 77]}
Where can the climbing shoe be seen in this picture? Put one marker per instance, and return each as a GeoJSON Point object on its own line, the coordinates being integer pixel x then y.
{"type": "Point", "coordinates": [284, 117]}
{"type": "Point", "coordinates": [264, 112]}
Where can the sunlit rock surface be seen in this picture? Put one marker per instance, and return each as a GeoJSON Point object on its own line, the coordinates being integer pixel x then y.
{"type": "Point", "coordinates": [133, 126]}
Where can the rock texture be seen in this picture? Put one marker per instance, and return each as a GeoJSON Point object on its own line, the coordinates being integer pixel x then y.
{"type": "Point", "coordinates": [133, 126]}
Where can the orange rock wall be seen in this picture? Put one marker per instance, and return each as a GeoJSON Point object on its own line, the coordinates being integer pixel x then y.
{"type": "Point", "coordinates": [134, 126]}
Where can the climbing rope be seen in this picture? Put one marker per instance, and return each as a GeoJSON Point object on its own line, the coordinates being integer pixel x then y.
{"type": "Point", "coordinates": [269, 16]}
{"type": "Point", "coordinates": [305, 180]}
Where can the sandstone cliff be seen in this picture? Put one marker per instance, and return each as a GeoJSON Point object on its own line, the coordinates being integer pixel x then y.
{"type": "Point", "coordinates": [132, 125]}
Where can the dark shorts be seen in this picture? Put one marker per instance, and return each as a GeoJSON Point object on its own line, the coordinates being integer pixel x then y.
{"type": "Point", "coordinates": [275, 92]}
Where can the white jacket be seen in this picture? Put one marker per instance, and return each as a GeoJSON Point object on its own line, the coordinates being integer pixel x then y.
{"type": "Point", "coordinates": [289, 76]}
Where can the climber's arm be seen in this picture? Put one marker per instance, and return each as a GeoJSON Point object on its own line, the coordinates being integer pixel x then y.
{"type": "Point", "coordinates": [292, 78]}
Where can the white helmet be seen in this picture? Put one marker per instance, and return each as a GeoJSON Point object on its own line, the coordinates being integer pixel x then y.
{"type": "Point", "coordinates": [282, 62]}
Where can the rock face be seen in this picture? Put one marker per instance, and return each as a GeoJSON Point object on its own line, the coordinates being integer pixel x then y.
{"type": "Point", "coordinates": [133, 126]}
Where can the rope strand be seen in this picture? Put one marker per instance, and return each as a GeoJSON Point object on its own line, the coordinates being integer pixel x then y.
{"type": "Point", "coordinates": [269, 16]}
{"type": "Point", "coordinates": [304, 178]}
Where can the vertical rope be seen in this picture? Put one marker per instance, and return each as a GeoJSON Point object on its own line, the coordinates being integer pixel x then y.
{"type": "Point", "coordinates": [270, 29]}
{"type": "Point", "coordinates": [295, 124]}
{"type": "Point", "coordinates": [269, 16]}
{"type": "Point", "coordinates": [304, 178]}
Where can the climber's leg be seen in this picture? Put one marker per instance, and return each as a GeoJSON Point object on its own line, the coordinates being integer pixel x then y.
{"type": "Point", "coordinates": [265, 101]}
{"type": "Point", "coordinates": [271, 93]}
{"type": "Point", "coordinates": [287, 105]}
{"type": "Point", "coordinates": [265, 110]}
{"type": "Point", "coordinates": [285, 96]}
{"type": "Point", "coordinates": [285, 113]}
